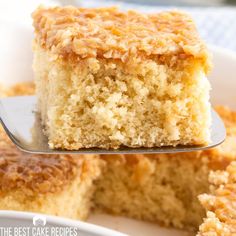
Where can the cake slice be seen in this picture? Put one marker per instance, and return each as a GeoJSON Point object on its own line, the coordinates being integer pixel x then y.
{"type": "Point", "coordinates": [106, 78]}
{"type": "Point", "coordinates": [51, 184]}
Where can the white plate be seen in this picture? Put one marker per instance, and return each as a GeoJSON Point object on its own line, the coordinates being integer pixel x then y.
{"type": "Point", "coordinates": [10, 219]}
{"type": "Point", "coordinates": [15, 66]}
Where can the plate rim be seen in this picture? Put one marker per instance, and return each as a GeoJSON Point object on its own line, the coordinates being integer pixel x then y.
{"type": "Point", "coordinates": [84, 226]}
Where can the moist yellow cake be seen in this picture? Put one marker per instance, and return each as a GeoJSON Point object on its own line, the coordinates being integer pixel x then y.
{"type": "Point", "coordinates": [220, 204]}
{"type": "Point", "coordinates": [164, 188]}
{"type": "Point", "coordinates": [107, 78]}
{"type": "Point", "coordinates": [51, 184]}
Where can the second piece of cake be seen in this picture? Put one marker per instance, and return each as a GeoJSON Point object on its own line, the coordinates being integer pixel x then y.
{"type": "Point", "coordinates": [107, 78]}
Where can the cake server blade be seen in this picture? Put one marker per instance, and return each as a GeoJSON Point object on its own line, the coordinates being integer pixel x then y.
{"type": "Point", "coordinates": [20, 120]}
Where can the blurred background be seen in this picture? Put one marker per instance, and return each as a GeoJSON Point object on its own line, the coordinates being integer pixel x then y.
{"type": "Point", "coordinates": [216, 19]}
{"type": "Point", "coordinates": [185, 2]}
{"type": "Point", "coordinates": [172, 2]}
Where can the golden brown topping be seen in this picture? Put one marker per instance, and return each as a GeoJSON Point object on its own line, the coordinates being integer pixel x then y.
{"type": "Point", "coordinates": [39, 173]}
{"type": "Point", "coordinates": [26, 88]}
{"type": "Point", "coordinates": [110, 33]}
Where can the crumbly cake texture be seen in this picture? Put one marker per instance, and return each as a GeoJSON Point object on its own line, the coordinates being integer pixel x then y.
{"type": "Point", "coordinates": [164, 188]}
{"type": "Point", "coordinates": [220, 204]}
{"type": "Point", "coordinates": [106, 78]}
{"type": "Point", "coordinates": [52, 184]}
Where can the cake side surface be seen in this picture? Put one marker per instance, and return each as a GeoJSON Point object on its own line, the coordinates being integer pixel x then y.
{"type": "Point", "coordinates": [164, 188]}
{"type": "Point", "coordinates": [154, 188]}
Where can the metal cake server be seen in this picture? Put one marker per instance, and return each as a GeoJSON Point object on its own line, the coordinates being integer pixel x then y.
{"type": "Point", "coordinates": [20, 121]}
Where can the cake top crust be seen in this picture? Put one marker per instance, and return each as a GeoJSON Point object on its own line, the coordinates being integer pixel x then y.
{"type": "Point", "coordinates": [18, 89]}
{"type": "Point", "coordinates": [35, 173]}
{"type": "Point", "coordinates": [111, 33]}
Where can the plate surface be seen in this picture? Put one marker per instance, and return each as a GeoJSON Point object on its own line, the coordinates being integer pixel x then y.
{"type": "Point", "coordinates": [15, 66]}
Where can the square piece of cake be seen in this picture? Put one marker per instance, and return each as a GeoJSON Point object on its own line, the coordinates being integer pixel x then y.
{"type": "Point", "coordinates": [106, 78]}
